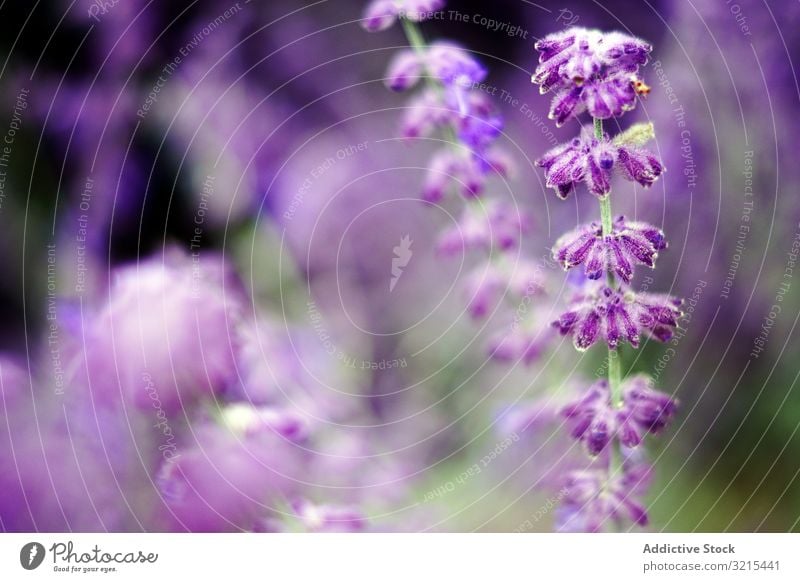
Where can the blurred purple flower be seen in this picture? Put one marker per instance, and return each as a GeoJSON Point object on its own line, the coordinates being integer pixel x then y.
{"type": "Point", "coordinates": [170, 332]}
{"type": "Point", "coordinates": [593, 500]}
{"type": "Point", "coordinates": [519, 344]}
{"type": "Point", "coordinates": [484, 288]}
{"type": "Point", "coordinates": [381, 14]}
{"type": "Point", "coordinates": [227, 479]}
{"type": "Point", "coordinates": [493, 226]}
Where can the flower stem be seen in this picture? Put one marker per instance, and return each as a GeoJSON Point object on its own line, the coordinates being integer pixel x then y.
{"type": "Point", "coordinates": [414, 36]}
{"type": "Point", "coordinates": [605, 201]}
{"type": "Point", "coordinates": [614, 366]}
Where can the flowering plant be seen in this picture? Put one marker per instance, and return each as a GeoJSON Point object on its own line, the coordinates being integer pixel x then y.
{"type": "Point", "coordinates": [595, 72]}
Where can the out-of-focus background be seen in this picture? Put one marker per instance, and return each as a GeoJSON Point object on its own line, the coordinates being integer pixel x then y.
{"type": "Point", "coordinates": [200, 204]}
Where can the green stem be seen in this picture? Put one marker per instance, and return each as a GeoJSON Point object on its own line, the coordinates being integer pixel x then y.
{"type": "Point", "coordinates": [415, 38]}
{"type": "Point", "coordinates": [614, 365]}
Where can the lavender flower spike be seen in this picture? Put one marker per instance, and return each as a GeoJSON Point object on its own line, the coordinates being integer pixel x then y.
{"type": "Point", "coordinates": [592, 160]}
{"type": "Point", "coordinates": [590, 71]}
{"type": "Point", "coordinates": [381, 14]}
{"type": "Point", "coordinates": [602, 313]}
{"type": "Point", "coordinates": [629, 243]}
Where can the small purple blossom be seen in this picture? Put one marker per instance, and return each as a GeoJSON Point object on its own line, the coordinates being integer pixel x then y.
{"type": "Point", "coordinates": [602, 313]}
{"type": "Point", "coordinates": [449, 167]}
{"type": "Point", "coordinates": [592, 419]}
{"type": "Point", "coordinates": [405, 70]}
{"type": "Point", "coordinates": [381, 14]}
{"type": "Point", "coordinates": [629, 243]}
{"type": "Point", "coordinates": [493, 226]}
{"type": "Point", "coordinates": [484, 289]}
{"type": "Point", "coordinates": [425, 113]}
{"type": "Point", "coordinates": [590, 71]}
{"type": "Point", "coordinates": [249, 420]}
{"type": "Point", "coordinates": [446, 62]}
{"type": "Point", "coordinates": [645, 410]}
{"type": "Point", "coordinates": [593, 499]}
{"type": "Point", "coordinates": [595, 421]}
{"type": "Point", "coordinates": [519, 344]}
{"type": "Point", "coordinates": [588, 159]}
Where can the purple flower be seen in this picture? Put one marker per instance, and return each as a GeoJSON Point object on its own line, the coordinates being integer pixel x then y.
{"type": "Point", "coordinates": [593, 499]}
{"type": "Point", "coordinates": [485, 287]}
{"type": "Point", "coordinates": [459, 169]}
{"type": "Point", "coordinates": [445, 62]}
{"type": "Point", "coordinates": [405, 69]}
{"type": "Point", "coordinates": [645, 410]}
{"type": "Point", "coordinates": [425, 113]}
{"type": "Point", "coordinates": [595, 421]}
{"type": "Point", "coordinates": [588, 159]}
{"type": "Point", "coordinates": [381, 14]}
{"type": "Point", "coordinates": [601, 313]}
{"type": "Point", "coordinates": [453, 66]}
{"type": "Point", "coordinates": [493, 226]}
{"type": "Point", "coordinates": [592, 419]}
{"type": "Point", "coordinates": [519, 344]}
{"type": "Point", "coordinates": [228, 479]}
{"type": "Point", "coordinates": [590, 71]}
{"type": "Point", "coordinates": [628, 243]}
{"type": "Point", "coordinates": [169, 332]}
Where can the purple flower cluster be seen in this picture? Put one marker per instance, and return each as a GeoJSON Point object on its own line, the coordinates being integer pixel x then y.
{"type": "Point", "coordinates": [589, 70]}
{"type": "Point", "coordinates": [599, 312]}
{"type": "Point", "coordinates": [595, 421]}
{"type": "Point", "coordinates": [593, 161]}
{"type": "Point", "coordinates": [592, 71]}
{"type": "Point", "coordinates": [629, 243]}
{"type": "Point", "coordinates": [592, 499]}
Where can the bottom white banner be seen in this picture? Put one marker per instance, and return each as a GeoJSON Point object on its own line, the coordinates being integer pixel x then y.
{"type": "Point", "coordinates": [369, 557]}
